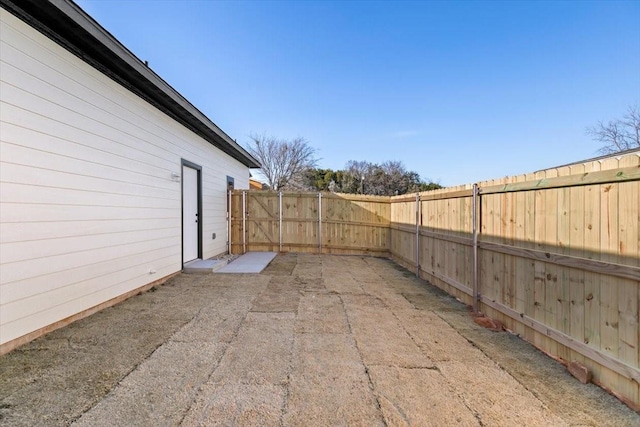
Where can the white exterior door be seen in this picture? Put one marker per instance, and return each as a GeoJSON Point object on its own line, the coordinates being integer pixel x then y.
{"type": "Point", "coordinates": [189, 214]}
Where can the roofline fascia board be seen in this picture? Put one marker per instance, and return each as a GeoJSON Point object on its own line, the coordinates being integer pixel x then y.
{"type": "Point", "coordinates": [168, 100]}
{"type": "Point", "coordinates": [95, 29]}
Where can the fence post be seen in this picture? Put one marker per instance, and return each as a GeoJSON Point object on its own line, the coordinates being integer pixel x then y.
{"type": "Point", "coordinates": [474, 220]}
{"type": "Point", "coordinates": [229, 224]}
{"type": "Point", "coordinates": [280, 220]}
{"type": "Point", "coordinates": [418, 235]}
{"type": "Point", "coordinates": [320, 223]}
{"type": "Point", "coordinates": [244, 222]}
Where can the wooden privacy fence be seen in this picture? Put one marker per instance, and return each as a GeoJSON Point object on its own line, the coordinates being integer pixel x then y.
{"type": "Point", "coordinates": [309, 222]}
{"type": "Point", "coordinates": [554, 255]}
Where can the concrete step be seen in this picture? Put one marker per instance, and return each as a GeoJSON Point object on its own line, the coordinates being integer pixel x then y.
{"type": "Point", "coordinates": [202, 266]}
{"type": "Point", "coordinates": [251, 262]}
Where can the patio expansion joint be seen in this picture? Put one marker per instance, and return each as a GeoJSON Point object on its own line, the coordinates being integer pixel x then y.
{"type": "Point", "coordinates": [215, 366]}
{"type": "Point", "coordinates": [413, 340]}
{"type": "Point", "coordinates": [409, 368]}
{"type": "Point", "coordinates": [287, 384]}
{"type": "Point", "coordinates": [172, 339]}
{"type": "Point", "coordinates": [321, 333]}
{"type": "Point", "coordinates": [498, 365]}
{"type": "Point", "coordinates": [397, 408]}
{"type": "Point", "coordinates": [134, 368]}
{"type": "Point", "coordinates": [273, 312]}
{"type": "Point", "coordinates": [366, 368]}
{"type": "Point", "coordinates": [475, 413]}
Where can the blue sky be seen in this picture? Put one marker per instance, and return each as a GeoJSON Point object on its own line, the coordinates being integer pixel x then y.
{"type": "Point", "coordinates": [458, 91]}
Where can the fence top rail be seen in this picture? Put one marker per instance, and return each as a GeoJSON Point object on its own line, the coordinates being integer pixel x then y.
{"type": "Point", "coordinates": [438, 196]}
{"type": "Point", "coordinates": [610, 176]}
{"type": "Point", "coordinates": [325, 195]}
{"type": "Point", "coordinates": [589, 178]}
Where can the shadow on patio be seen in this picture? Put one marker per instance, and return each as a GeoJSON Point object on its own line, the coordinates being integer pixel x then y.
{"type": "Point", "coordinates": [312, 340]}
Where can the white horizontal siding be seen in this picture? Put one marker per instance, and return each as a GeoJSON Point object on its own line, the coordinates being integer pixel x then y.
{"type": "Point", "coordinates": [79, 245]}
{"type": "Point", "coordinates": [87, 204]}
{"type": "Point", "coordinates": [87, 276]}
{"type": "Point", "coordinates": [32, 194]}
{"type": "Point", "coordinates": [43, 230]}
{"type": "Point", "coordinates": [20, 315]}
{"type": "Point", "coordinates": [21, 174]}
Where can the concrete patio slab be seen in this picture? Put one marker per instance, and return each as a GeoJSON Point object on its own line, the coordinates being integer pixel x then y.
{"type": "Point", "coordinates": [251, 262]}
{"type": "Point", "coordinates": [312, 340]}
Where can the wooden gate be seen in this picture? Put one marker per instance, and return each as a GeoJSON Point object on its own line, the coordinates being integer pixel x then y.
{"type": "Point", "coordinates": [309, 222]}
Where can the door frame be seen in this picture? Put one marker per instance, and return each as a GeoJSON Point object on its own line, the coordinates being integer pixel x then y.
{"type": "Point", "coordinates": [198, 169]}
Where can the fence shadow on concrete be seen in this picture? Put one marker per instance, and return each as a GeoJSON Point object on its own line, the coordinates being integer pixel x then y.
{"type": "Point", "coordinates": [554, 255]}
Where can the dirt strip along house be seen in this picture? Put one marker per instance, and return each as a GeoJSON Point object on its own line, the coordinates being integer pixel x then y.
{"type": "Point", "coordinates": [110, 180]}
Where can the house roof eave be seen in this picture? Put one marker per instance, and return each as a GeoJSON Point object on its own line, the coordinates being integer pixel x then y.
{"type": "Point", "coordinates": [68, 25]}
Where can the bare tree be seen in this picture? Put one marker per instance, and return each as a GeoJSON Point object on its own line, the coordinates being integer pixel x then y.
{"type": "Point", "coordinates": [283, 161]}
{"type": "Point", "coordinates": [618, 135]}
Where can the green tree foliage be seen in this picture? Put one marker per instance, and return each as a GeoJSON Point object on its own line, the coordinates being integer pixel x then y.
{"type": "Point", "coordinates": [362, 177]}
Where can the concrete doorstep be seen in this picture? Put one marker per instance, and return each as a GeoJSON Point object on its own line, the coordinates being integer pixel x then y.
{"type": "Point", "coordinates": [203, 266]}
{"type": "Point", "coordinates": [251, 262]}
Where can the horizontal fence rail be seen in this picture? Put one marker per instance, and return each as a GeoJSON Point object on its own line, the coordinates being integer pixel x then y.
{"type": "Point", "coordinates": [309, 222]}
{"type": "Point", "coordinates": [554, 255]}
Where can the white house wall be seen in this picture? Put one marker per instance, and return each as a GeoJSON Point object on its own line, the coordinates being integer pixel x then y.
{"type": "Point", "coordinates": [87, 204]}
